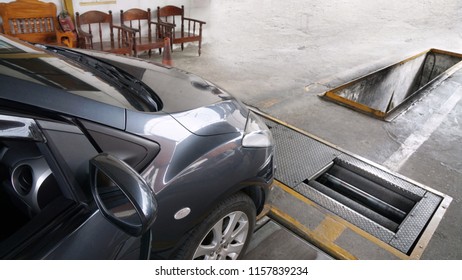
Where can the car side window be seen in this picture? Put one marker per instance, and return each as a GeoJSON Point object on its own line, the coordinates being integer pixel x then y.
{"type": "Point", "coordinates": [35, 191]}
{"type": "Point", "coordinates": [27, 184]}
{"type": "Point", "coordinates": [72, 149]}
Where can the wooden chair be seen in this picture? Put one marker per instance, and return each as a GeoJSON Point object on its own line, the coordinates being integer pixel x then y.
{"type": "Point", "coordinates": [190, 30]}
{"type": "Point", "coordinates": [149, 35]}
{"type": "Point", "coordinates": [34, 21]}
{"type": "Point", "coordinates": [97, 32]}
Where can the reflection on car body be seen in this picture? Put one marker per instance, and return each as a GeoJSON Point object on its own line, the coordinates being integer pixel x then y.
{"type": "Point", "coordinates": [193, 159]}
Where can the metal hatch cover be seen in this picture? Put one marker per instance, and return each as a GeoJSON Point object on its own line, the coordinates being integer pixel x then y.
{"type": "Point", "coordinates": [386, 92]}
{"type": "Point", "coordinates": [401, 213]}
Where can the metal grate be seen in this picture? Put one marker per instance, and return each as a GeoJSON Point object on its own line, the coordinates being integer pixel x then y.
{"type": "Point", "coordinates": [302, 163]}
{"type": "Point", "coordinates": [298, 157]}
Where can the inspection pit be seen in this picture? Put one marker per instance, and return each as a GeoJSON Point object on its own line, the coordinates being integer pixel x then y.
{"type": "Point", "coordinates": [390, 90]}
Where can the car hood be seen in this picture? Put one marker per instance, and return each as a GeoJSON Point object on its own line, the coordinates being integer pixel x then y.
{"type": "Point", "coordinates": [200, 106]}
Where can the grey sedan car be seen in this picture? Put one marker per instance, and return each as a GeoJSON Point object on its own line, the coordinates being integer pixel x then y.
{"type": "Point", "coordinates": [111, 157]}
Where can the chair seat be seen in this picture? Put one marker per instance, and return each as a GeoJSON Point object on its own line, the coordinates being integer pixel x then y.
{"type": "Point", "coordinates": [148, 35]}
{"type": "Point", "coordinates": [107, 46]}
{"type": "Point", "coordinates": [186, 37]}
{"type": "Point", "coordinates": [146, 43]}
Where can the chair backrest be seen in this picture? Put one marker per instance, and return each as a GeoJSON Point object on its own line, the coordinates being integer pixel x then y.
{"type": "Point", "coordinates": [30, 20]}
{"type": "Point", "coordinates": [88, 20]}
{"type": "Point", "coordinates": [138, 19]}
{"type": "Point", "coordinates": [170, 14]}
{"type": "Point", "coordinates": [134, 15]}
{"type": "Point", "coordinates": [94, 17]}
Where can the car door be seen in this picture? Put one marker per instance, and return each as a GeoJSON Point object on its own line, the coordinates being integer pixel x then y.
{"type": "Point", "coordinates": [61, 199]}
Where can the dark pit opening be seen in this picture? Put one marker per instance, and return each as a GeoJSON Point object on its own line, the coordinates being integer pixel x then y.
{"type": "Point", "coordinates": [364, 195]}
{"type": "Point", "coordinates": [388, 90]}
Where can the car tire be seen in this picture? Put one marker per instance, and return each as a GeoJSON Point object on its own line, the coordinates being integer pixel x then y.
{"type": "Point", "coordinates": [225, 233]}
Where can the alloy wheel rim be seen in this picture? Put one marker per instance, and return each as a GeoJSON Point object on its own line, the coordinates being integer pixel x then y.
{"type": "Point", "coordinates": [226, 239]}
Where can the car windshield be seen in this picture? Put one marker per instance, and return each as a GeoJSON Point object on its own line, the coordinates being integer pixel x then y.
{"type": "Point", "coordinates": [89, 78]}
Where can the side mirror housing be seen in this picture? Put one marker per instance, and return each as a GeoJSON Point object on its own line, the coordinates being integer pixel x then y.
{"type": "Point", "coordinates": [122, 195]}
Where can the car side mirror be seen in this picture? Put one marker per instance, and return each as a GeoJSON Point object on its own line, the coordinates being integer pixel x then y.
{"type": "Point", "coordinates": [122, 195]}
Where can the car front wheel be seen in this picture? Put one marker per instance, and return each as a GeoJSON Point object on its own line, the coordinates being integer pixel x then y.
{"type": "Point", "coordinates": [225, 233]}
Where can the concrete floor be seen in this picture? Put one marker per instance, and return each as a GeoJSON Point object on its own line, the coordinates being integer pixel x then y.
{"type": "Point", "coordinates": [274, 242]}
{"type": "Point", "coordinates": [278, 56]}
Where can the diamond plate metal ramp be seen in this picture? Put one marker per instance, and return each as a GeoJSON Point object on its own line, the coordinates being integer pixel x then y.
{"type": "Point", "coordinates": [389, 210]}
{"type": "Point", "coordinates": [298, 157]}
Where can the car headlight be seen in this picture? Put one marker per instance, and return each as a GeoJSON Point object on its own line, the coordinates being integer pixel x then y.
{"type": "Point", "coordinates": [256, 134]}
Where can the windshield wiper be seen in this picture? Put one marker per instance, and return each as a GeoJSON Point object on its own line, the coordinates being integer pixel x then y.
{"type": "Point", "coordinates": [137, 90]}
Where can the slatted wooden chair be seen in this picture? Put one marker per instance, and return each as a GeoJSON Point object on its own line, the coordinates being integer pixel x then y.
{"type": "Point", "coordinates": [187, 29]}
{"type": "Point", "coordinates": [97, 32]}
{"type": "Point", "coordinates": [149, 35]}
{"type": "Point", "coordinates": [34, 21]}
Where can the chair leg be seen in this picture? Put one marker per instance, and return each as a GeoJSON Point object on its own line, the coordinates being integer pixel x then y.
{"type": "Point", "coordinates": [182, 46]}
{"type": "Point", "coordinates": [200, 45]}
{"type": "Point", "coordinates": [149, 53]}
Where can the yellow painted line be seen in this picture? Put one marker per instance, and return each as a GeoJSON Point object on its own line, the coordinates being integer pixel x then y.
{"type": "Point", "coordinates": [268, 103]}
{"type": "Point", "coordinates": [330, 79]}
{"type": "Point", "coordinates": [333, 95]}
{"type": "Point", "coordinates": [330, 229]}
{"type": "Point", "coordinates": [423, 241]}
{"type": "Point", "coordinates": [313, 237]}
{"type": "Point", "coordinates": [345, 223]}
{"type": "Point", "coordinates": [353, 81]}
{"type": "Point", "coordinates": [353, 104]}
{"type": "Point", "coordinates": [371, 238]}
{"type": "Point", "coordinates": [446, 52]}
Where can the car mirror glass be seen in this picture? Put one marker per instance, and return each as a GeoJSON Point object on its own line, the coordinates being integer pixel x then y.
{"type": "Point", "coordinates": [122, 195]}
{"type": "Point", "coordinates": [115, 202]}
